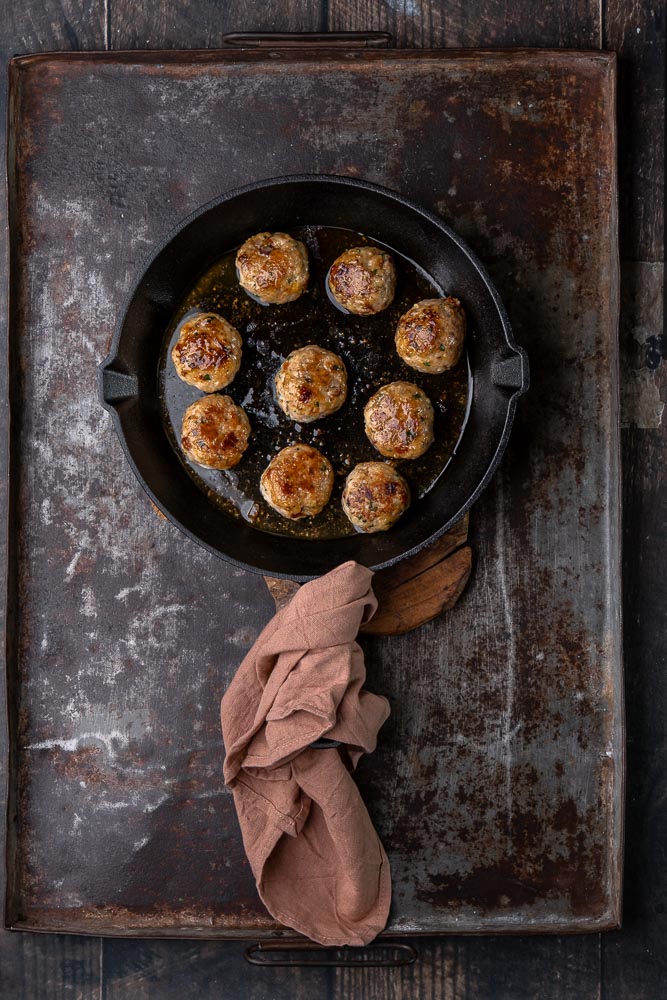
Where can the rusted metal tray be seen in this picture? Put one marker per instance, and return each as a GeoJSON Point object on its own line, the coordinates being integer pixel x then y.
{"type": "Point", "coordinates": [497, 786]}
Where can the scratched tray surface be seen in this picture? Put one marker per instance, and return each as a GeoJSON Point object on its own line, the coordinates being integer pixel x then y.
{"type": "Point", "coordinates": [497, 783]}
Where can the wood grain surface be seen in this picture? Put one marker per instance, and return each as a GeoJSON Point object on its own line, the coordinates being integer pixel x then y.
{"type": "Point", "coordinates": [636, 30]}
{"type": "Point", "coordinates": [480, 24]}
{"type": "Point", "coordinates": [629, 964]}
{"type": "Point", "coordinates": [169, 24]}
{"type": "Point", "coordinates": [414, 591]}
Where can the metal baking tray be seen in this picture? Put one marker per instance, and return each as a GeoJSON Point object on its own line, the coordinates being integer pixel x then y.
{"type": "Point", "coordinates": [497, 785]}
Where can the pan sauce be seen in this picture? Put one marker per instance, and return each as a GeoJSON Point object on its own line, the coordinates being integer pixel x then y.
{"type": "Point", "coordinates": [366, 345]}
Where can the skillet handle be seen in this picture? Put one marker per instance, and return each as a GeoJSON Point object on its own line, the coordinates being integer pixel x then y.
{"type": "Point", "coordinates": [115, 385]}
{"type": "Point", "coordinates": [308, 39]}
{"type": "Point", "coordinates": [513, 372]}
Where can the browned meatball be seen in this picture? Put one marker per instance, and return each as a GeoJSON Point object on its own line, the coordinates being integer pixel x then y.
{"type": "Point", "coordinates": [430, 335]}
{"type": "Point", "coordinates": [207, 353]}
{"type": "Point", "coordinates": [363, 280]}
{"type": "Point", "coordinates": [375, 496]}
{"type": "Point", "coordinates": [311, 383]}
{"type": "Point", "coordinates": [297, 482]}
{"type": "Point", "coordinates": [273, 267]}
{"type": "Point", "coordinates": [215, 432]}
{"type": "Point", "coordinates": [399, 420]}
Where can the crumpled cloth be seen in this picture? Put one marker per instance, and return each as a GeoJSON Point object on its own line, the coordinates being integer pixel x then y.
{"type": "Point", "coordinates": [319, 865]}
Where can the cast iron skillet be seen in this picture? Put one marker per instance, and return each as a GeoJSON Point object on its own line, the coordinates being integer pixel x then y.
{"type": "Point", "coordinates": [128, 378]}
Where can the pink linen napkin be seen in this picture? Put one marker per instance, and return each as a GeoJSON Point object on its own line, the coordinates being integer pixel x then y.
{"type": "Point", "coordinates": [319, 865]}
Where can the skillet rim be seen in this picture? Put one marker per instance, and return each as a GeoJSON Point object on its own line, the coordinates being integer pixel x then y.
{"type": "Point", "coordinates": [105, 368]}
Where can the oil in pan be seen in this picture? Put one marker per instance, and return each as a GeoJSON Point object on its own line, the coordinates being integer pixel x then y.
{"type": "Point", "coordinates": [270, 333]}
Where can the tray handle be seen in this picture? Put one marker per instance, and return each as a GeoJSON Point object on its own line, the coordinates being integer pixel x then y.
{"type": "Point", "coordinates": [308, 39]}
{"type": "Point", "coordinates": [260, 954]}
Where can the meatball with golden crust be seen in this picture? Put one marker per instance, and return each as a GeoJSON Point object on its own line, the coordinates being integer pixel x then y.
{"type": "Point", "coordinates": [207, 353]}
{"type": "Point", "coordinates": [374, 497]}
{"type": "Point", "coordinates": [399, 420]}
{"type": "Point", "coordinates": [273, 267]}
{"type": "Point", "coordinates": [297, 482]}
{"type": "Point", "coordinates": [215, 432]}
{"type": "Point", "coordinates": [430, 335]}
{"type": "Point", "coordinates": [311, 383]}
{"type": "Point", "coordinates": [363, 280]}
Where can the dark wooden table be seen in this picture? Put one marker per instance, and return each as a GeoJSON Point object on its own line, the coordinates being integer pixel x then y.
{"type": "Point", "coordinates": [630, 963]}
